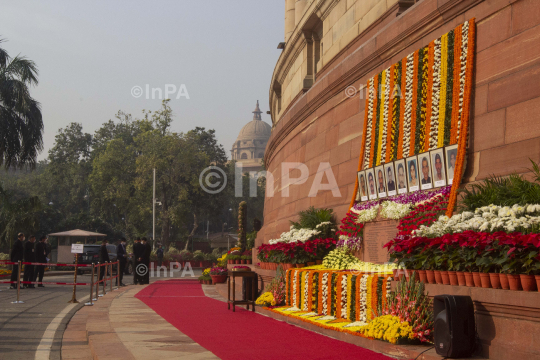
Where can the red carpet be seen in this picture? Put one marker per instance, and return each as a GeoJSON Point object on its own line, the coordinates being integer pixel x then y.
{"type": "Point", "coordinates": [243, 334]}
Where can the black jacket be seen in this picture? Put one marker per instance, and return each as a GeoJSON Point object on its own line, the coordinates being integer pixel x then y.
{"type": "Point", "coordinates": [29, 254]}
{"type": "Point", "coordinates": [17, 253]}
{"type": "Point", "coordinates": [121, 252]}
{"type": "Point", "coordinates": [41, 252]}
{"type": "Point", "coordinates": [137, 251]}
{"type": "Point", "coordinates": [103, 254]}
{"type": "Point", "coordinates": [147, 251]}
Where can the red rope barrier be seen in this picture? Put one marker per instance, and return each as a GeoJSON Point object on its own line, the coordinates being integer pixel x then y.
{"type": "Point", "coordinates": [7, 262]}
{"type": "Point", "coordinates": [53, 283]}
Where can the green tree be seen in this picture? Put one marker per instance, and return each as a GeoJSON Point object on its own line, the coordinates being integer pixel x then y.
{"type": "Point", "coordinates": [21, 124]}
{"type": "Point", "coordinates": [16, 216]}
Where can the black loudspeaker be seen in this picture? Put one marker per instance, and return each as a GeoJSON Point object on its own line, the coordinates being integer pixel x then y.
{"type": "Point", "coordinates": [454, 327]}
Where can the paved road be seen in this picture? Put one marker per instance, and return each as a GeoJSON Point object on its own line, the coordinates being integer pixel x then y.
{"type": "Point", "coordinates": [22, 326]}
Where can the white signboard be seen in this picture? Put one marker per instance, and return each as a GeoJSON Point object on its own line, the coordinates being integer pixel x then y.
{"type": "Point", "coordinates": [77, 248]}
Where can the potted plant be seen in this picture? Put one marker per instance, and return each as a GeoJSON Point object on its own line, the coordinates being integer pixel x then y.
{"type": "Point", "coordinates": [530, 265]}
{"type": "Point", "coordinates": [218, 275]}
{"type": "Point", "coordinates": [198, 258]}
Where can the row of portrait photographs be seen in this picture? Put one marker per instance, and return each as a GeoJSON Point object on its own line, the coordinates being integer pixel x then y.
{"type": "Point", "coordinates": [419, 172]}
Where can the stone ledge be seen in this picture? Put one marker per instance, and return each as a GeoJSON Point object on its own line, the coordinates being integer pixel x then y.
{"type": "Point", "coordinates": [396, 351]}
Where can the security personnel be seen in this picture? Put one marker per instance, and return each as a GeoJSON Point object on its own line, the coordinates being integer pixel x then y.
{"type": "Point", "coordinates": [147, 251]}
{"type": "Point", "coordinates": [103, 258]}
{"type": "Point", "coordinates": [41, 257]}
{"type": "Point", "coordinates": [29, 256]}
{"type": "Point", "coordinates": [17, 254]}
{"type": "Point", "coordinates": [137, 259]}
{"type": "Point", "coordinates": [122, 258]}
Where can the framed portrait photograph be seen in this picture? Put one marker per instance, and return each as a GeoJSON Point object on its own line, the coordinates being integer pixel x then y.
{"type": "Point", "coordinates": [424, 163]}
{"type": "Point", "coordinates": [412, 173]}
{"type": "Point", "coordinates": [401, 171]}
{"type": "Point", "coordinates": [451, 156]}
{"type": "Point", "coordinates": [380, 181]}
{"type": "Point", "coordinates": [371, 184]}
{"type": "Point", "coordinates": [389, 172]}
{"type": "Point", "coordinates": [437, 167]}
{"type": "Point", "coordinates": [362, 186]}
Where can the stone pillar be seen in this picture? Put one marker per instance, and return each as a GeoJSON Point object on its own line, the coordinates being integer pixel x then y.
{"type": "Point", "coordinates": [289, 18]}
{"type": "Point", "coordinates": [308, 80]}
{"type": "Point", "coordinates": [299, 8]}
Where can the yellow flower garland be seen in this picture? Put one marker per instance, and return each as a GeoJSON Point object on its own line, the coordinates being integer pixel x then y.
{"type": "Point", "coordinates": [369, 314]}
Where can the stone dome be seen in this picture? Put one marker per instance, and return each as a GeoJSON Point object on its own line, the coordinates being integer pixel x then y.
{"type": "Point", "coordinates": [251, 142]}
{"type": "Point", "coordinates": [255, 129]}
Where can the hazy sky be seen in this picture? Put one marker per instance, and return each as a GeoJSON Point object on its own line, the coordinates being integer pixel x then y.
{"type": "Point", "coordinates": [91, 54]}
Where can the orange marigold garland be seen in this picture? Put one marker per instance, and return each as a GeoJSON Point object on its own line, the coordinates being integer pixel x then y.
{"type": "Point", "coordinates": [374, 122]}
{"type": "Point", "coordinates": [403, 89]}
{"type": "Point", "coordinates": [338, 296]}
{"type": "Point", "coordinates": [462, 146]}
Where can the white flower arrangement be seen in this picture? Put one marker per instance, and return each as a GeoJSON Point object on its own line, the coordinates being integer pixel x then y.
{"type": "Point", "coordinates": [486, 219]}
{"type": "Point", "coordinates": [295, 281]}
{"type": "Point", "coordinates": [363, 299]}
{"type": "Point", "coordinates": [343, 296]}
{"type": "Point", "coordinates": [325, 293]}
{"type": "Point", "coordinates": [367, 214]}
{"type": "Point", "coordinates": [395, 211]}
{"type": "Point", "coordinates": [294, 235]}
{"type": "Point", "coordinates": [306, 285]}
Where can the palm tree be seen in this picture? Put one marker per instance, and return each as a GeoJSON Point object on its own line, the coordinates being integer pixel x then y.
{"type": "Point", "coordinates": [21, 124]}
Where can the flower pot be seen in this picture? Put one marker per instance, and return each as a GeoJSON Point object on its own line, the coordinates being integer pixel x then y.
{"type": "Point", "coordinates": [504, 281]}
{"type": "Point", "coordinates": [537, 278]}
{"type": "Point", "coordinates": [495, 280]}
{"type": "Point", "coordinates": [452, 276]}
{"type": "Point", "coordinates": [469, 281]}
{"type": "Point", "coordinates": [445, 278]}
{"type": "Point", "coordinates": [318, 262]}
{"type": "Point", "coordinates": [476, 279]}
{"type": "Point", "coordinates": [430, 275]}
{"type": "Point", "coordinates": [438, 277]}
{"type": "Point", "coordinates": [238, 262]}
{"type": "Point", "coordinates": [287, 266]}
{"type": "Point", "coordinates": [218, 279]}
{"type": "Point", "coordinates": [248, 261]}
{"type": "Point", "coordinates": [300, 265]}
{"type": "Point", "coordinates": [311, 263]}
{"type": "Point", "coordinates": [461, 278]}
{"type": "Point", "coordinates": [528, 282]}
{"type": "Point", "coordinates": [243, 261]}
{"type": "Point", "coordinates": [514, 281]}
{"type": "Point", "coordinates": [484, 280]}
{"type": "Point", "coordinates": [422, 275]}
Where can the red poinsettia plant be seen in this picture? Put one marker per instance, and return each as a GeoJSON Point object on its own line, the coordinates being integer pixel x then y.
{"type": "Point", "coordinates": [296, 252]}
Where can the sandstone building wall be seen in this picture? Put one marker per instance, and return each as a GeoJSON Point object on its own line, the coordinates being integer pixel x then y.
{"type": "Point", "coordinates": [333, 44]}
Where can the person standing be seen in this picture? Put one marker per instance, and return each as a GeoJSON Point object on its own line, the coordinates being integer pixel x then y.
{"type": "Point", "coordinates": [29, 256]}
{"type": "Point", "coordinates": [103, 258]}
{"type": "Point", "coordinates": [17, 254]}
{"type": "Point", "coordinates": [137, 257]}
{"type": "Point", "coordinates": [122, 258]}
{"type": "Point", "coordinates": [159, 253]}
{"type": "Point", "coordinates": [41, 257]}
{"type": "Point", "coordinates": [147, 251]}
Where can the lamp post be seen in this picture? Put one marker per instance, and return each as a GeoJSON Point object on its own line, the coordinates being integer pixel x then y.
{"type": "Point", "coordinates": [154, 208]}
